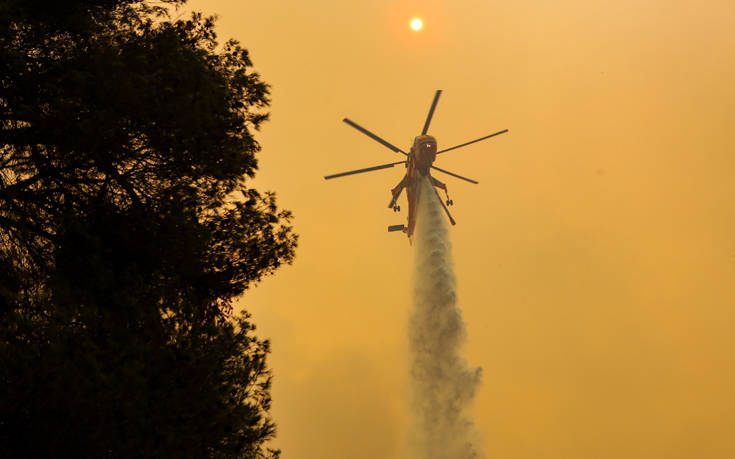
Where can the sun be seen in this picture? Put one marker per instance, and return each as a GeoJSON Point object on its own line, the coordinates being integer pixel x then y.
{"type": "Point", "coordinates": [416, 24]}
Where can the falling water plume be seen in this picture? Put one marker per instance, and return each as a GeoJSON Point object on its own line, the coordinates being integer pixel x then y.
{"type": "Point", "coordinates": [442, 382]}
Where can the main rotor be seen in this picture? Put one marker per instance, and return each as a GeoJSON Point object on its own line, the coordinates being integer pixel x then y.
{"type": "Point", "coordinates": [390, 146]}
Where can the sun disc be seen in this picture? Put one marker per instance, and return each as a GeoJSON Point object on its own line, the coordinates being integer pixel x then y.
{"type": "Point", "coordinates": [416, 24]}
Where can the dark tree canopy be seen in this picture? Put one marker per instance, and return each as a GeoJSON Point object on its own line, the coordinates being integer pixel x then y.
{"type": "Point", "coordinates": [126, 231]}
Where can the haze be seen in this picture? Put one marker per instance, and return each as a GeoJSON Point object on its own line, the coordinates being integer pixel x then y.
{"type": "Point", "coordinates": [595, 259]}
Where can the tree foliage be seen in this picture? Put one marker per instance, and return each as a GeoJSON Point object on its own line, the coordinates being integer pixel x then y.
{"type": "Point", "coordinates": [126, 231]}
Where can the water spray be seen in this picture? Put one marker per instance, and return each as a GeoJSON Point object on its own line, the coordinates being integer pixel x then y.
{"type": "Point", "coordinates": [442, 382]}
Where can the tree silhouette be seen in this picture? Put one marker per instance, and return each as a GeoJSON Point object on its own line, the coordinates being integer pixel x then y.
{"type": "Point", "coordinates": [126, 231]}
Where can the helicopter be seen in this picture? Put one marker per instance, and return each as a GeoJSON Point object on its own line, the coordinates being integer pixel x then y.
{"type": "Point", "coordinates": [419, 162]}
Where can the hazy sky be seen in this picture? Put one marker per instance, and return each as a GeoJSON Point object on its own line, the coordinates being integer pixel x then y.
{"type": "Point", "coordinates": [595, 260]}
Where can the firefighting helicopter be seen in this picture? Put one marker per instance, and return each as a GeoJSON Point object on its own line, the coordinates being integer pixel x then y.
{"type": "Point", "coordinates": [420, 159]}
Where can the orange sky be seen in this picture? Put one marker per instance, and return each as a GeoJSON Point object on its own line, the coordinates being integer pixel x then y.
{"type": "Point", "coordinates": [595, 259]}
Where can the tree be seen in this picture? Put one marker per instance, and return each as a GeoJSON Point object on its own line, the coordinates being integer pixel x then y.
{"type": "Point", "coordinates": [127, 229]}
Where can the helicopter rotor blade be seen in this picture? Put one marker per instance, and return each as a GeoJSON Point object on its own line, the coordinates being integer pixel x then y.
{"type": "Point", "coordinates": [359, 171]}
{"type": "Point", "coordinates": [431, 111]}
{"type": "Point", "coordinates": [373, 136]}
{"type": "Point", "coordinates": [455, 175]}
{"type": "Point", "coordinates": [473, 141]}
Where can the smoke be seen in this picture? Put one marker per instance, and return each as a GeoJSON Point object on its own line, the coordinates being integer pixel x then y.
{"type": "Point", "coordinates": [442, 382]}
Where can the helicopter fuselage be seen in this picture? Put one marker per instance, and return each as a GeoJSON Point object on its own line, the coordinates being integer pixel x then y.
{"type": "Point", "coordinates": [419, 162]}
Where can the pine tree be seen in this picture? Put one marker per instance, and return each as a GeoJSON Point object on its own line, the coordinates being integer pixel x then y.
{"type": "Point", "coordinates": [127, 229]}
